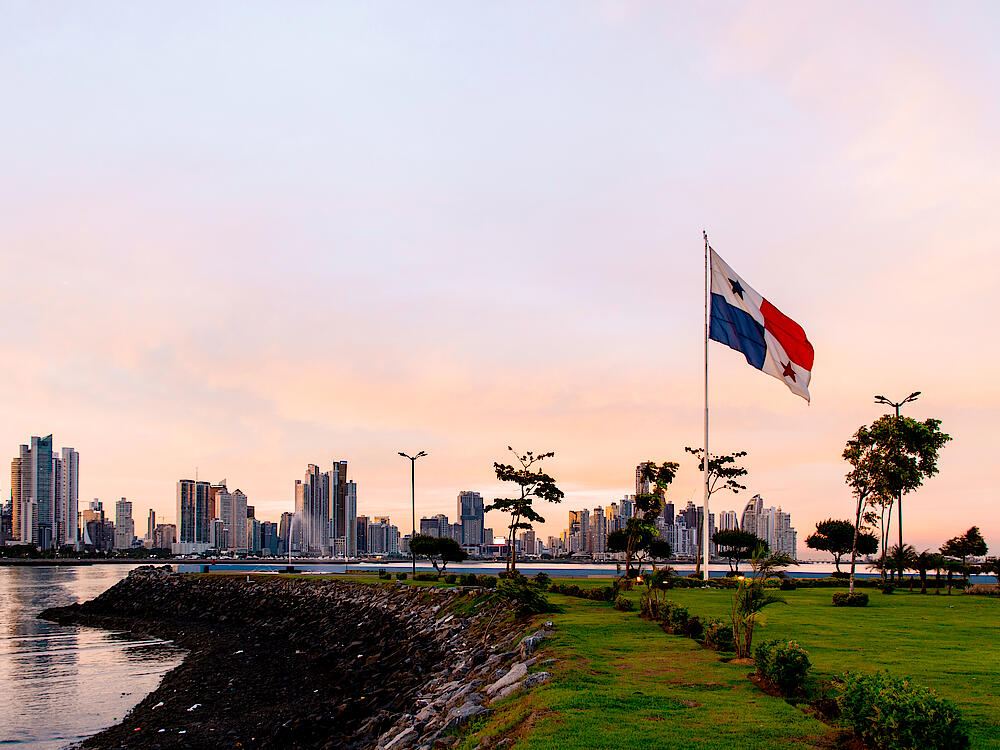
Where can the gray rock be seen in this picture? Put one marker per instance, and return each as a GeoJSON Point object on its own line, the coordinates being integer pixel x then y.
{"type": "Point", "coordinates": [517, 672]}
{"type": "Point", "coordinates": [406, 738]}
{"type": "Point", "coordinates": [538, 678]}
{"type": "Point", "coordinates": [508, 691]}
{"type": "Point", "coordinates": [461, 715]}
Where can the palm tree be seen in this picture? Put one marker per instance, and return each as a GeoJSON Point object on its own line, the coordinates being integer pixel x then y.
{"type": "Point", "coordinates": [922, 563]}
{"type": "Point", "coordinates": [750, 598]}
{"type": "Point", "coordinates": [903, 559]}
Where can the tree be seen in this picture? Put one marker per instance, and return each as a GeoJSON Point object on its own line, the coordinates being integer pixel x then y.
{"type": "Point", "coordinates": [902, 558]}
{"type": "Point", "coordinates": [890, 458]}
{"type": "Point", "coordinates": [434, 548]}
{"type": "Point", "coordinates": [750, 597]}
{"type": "Point", "coordinates": [922, 563]}
{"type": "Point", "coordinates": [992, 567]}
{"type": "Point", "coordinates": [640, 531]}
{"type": "Point", "coordinates": [723, 471]}
{"type": "Point", "coordinates": [532, 484]}
{"type": "Point", "coordinates": [736, 545]}
{"type": "Point", "coordinates": [837, 538]}
{"type": "Point", "coordinates": [969, 544]}
{"type": "Point", "coordinates": [910, 449]}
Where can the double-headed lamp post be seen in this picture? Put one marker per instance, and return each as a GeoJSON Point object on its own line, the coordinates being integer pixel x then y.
{"type": "Point", "coordinates": [899, 496]}
{"type": "Point", "coordinates": [413, 501]}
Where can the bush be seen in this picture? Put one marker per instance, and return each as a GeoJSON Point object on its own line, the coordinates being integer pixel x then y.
{"type": "Point", "coordinates": [384, 575]}
{"type": "Point", "coordinates": [450, 578]}
{"type": "Point", "coordinates": [887, 588]}
{"type": "Point", "coordinates": [426, 577]}
{"type": "Point", "coordinates": [674, 618]}
{"type": "Point", "coordinates": [784, 664]}
{"type": "Point", "coordinates": [400, 576]}
{"type": "Point", "coordinates": [719, 635]}
{"type": "Point", "coordinates": [624, 603]}
{"type": "Point", "coordinates": [649, 607]}
{"type": "Point", "coordinates": [890, 713]}
{"type": "Point", "coordinates": [527, 599]}
{"type": "Point", "coordinates": [602, 594]}
{"type": "Point", "coordinates": [488, 582]}
{"type": "Point", "coordinates": [787, 585]}
{"type": "Point", "coordinates": [694, 627]}
{"type": "Point", "coordinates": [468, 579]}
{"type": "Point", "coordinates": [844, 599]}
{"type": "Point", "coordinates": [542, 579]}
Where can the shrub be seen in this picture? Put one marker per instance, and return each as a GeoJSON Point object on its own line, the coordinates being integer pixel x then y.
{"type": "Point", "coordinates": [787, 585]}
{"type": "Point", "coordinates": [450, 578]}
{"type": "Point", "coordinates": [719, 635]}
{"type": "Point", "coordinates": [784, 664]}
{"type": "Point", "coordinates": [694, 627]}
{"type": "Point", "coordinates": [384, 575]}
{"type": "Point", "coordinates": [624, 603]}
{"type": "Point", "coordinates": [468, 579]}
{"type": "Point", "coordinates": [890, 713]}
{"type": "Point", "coordinates": [542, 579]}
{"type": "Point", "coordinates": [486, 581]}
{"type": "Point", "coordinates": [602, 594]}
{"type": "Point", "coordinates": [527, 599]}
{"type": "Point", "coordinates": [674, 617]}
{"type": "Point", "coordinates": [887, 588]}
{"type": "Point", "coordinates": [844, 599]}
{"type": "Point", "coordinates": [425, 577]}
{"type": "Point", "coordinates": [649, 607]}
{"type": "Point", "coordinates": [572, 590]}
{"type": "Point", "coordinates": [400, 576]}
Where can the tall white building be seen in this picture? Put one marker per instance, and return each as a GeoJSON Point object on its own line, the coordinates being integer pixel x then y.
{"type": "Point", "coordinates": [68, 510]}
{"type": "Point", "coordinates": [124, 525]}
{"type": "Point", "coordinates": [45, 494]}
{"type": "Point", "coordinates": [233, 513]}
{"type": "Point", "coordinates": [728, 521]}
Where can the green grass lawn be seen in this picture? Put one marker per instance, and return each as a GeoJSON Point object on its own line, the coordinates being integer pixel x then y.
{"type": "Point", "coordinates": [621, 682]}
{"type": "Point", "coordinates": [948, 643]}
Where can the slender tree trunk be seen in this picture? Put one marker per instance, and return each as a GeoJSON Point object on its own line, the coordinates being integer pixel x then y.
{"type": "Point", "coordinates": [854, 546]}
{"type": "Point", "coordinates": [923, 581]}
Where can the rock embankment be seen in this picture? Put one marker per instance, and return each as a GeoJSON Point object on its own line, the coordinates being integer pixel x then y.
{"type": "Point", "coordinates": [279, 662]}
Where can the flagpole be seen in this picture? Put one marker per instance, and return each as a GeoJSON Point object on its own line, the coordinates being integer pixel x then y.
{"type": "Point", "coordinates": [705, 539]}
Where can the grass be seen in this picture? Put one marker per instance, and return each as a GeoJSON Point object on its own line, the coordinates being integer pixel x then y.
{"type": "Point", "coordinates": [621, 682]}
{"type": "Point", "coordinates": [948, 643]}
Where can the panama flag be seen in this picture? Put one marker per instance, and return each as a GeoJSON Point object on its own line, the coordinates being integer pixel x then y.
{"type": "Point", "coordinates": [743, 320]}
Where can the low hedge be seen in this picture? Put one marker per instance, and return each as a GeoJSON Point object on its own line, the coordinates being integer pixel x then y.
{"type": "Point", "coordinates": [719, 635]}
{"type": "Point", "coordinates": [845, 599]}
{"type": "Point", "coordinates": [623, 603]}
{"type": "Point", "coordinates": [426, 577]}
{"type": "Point", "coordinates": [784, 664]}
{"type": "Point", "coordinates": [400, 576]}
{"type": "Point", "coordinates": [891, 713]}
{"type": "Point", "coordinates": [450, 578]}
{"type": "Point", "coordinates": [598, 594]}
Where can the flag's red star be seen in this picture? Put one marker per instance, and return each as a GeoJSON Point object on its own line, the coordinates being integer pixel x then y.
{"type": "Point", "coordinates": [789, 372]}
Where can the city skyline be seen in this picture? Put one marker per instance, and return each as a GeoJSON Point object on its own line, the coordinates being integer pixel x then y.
{"type": "Point", "coordinates": [253, 261]}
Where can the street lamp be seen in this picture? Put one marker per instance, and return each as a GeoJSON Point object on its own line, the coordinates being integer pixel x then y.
{"type": "Point", "coordinates": [413, 503]}
{"type": "Point", "coordinates": [899, 496]}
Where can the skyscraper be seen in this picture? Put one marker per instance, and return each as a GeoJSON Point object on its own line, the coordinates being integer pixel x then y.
{"type": "Point", "coordinates": [751, 514]}
{"type": "Point", "coordinates": [193, 516]}
{"type": "Point", "coordinates": [232, 509]}
{"type": "Point", "coordinates": [124, 525]}
{"type": "Point", "coordinates": [150, 527]}
{"type": "Point", "coordinates": [472, 517]}
{"type": "Point", "coordinates": [35, 476]}
{"type": "Point", "coordinates": [67, 531]}
{"type": "Point", "coordinates": [326, 506]}
{"type": "Point", "coordinates": [642, 486]}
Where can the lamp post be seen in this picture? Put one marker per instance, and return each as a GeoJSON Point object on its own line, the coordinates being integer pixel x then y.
{"type": "Point", "coordinates": [899, 496]}
{"type": "Point", "coordinates": [413, 502]}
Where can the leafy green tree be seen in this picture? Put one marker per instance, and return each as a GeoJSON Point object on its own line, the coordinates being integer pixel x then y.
{"type": "Point", "coordinates": [750, 597]}
{"type": "Point", "coordinates": [736, 545]}
{"type": "Point", "coordinates": [910, 448]}
{"type": "Point", "coordinates": [532, 483]}
{"type": "Point", "coordinates": [891, 457]}
{"type": "Point", "coordinates": [921, 564]}
{"type": "Point", "coordinates": [837, 538]}
{"type": "Point", "coordinates": [640, 532]}
{"type": "Point", "coordinates": [723, 473]}
{"type": "Point", "coordinates": [435, 549]}
{"type": "Point", "coordinates": [969, 544]}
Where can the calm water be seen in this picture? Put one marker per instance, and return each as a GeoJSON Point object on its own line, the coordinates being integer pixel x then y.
{"type": "Point", "coordinates": [60, 684]}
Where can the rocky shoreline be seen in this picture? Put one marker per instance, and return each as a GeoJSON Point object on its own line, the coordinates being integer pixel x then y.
{"type": "Point", "coordinates": [287, 662]}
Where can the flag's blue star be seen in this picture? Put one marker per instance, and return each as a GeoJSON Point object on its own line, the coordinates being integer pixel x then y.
{"type": "Point", "coordinates": [737, 288]}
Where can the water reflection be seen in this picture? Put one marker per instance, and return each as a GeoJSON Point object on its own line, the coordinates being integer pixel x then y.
{"type": "Point", "coordinates": [60, 684]}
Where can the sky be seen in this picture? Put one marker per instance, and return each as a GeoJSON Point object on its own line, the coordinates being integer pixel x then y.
{"type": "Point", "coordinates": [239, 238]}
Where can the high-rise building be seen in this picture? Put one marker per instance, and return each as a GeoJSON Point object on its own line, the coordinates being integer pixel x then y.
{"type": "Point", "coordinates": [164, 536]}
{"type": "Point", "coordinates": [232, 509]}
{"type": "Point", "coordinates": [150, 527]}
{"type": "Point", "coordinates": [472, 517]}
{"type": "Point", "coordinates": [751, 513]}
{"type": "Point", "coordinates": [326, 504]}
{"type": "Point", "coordinates": [6, 522]}
{"type": "Point", "coordinates": [598, 532]}
{"type": "Point", "coordinates": [285, 529]}
{"type": "Point", "coordinates": [643, 486]}
{"type": "Point", "coordinates": [68, 506]}
{"type": "Point", "coordinates": [269, 540]}
{"type": "Point", "coordinates": [35, 493]}
{"type": "Point", "coordinates": [97, 532]}
{"type": "Point", "coordinates": [728, 521]}
{"type": "Point", "coordinates": [124, 525]}
{"type": "Point", "coordinates": [361, 525]}
{"type": "Point", "coordinates": [383, 537]}
{"type": "Point", "coordinates": [528, 543]}
{"type": "Point", "coordinates": [193, 519]}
